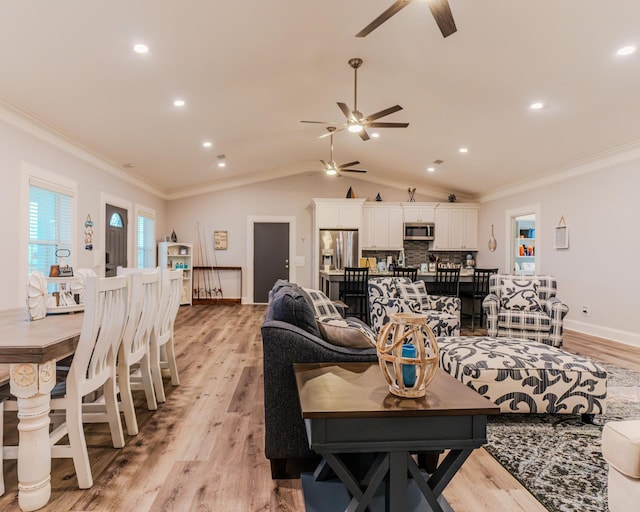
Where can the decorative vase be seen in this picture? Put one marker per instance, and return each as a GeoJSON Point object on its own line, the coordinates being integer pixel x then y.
{"type": "Point", "coordinates": [174, 237]}
{"type": "Point", "coordinates": [378, 197]}
{"type": "Point", "coordinates": [350, 194]}
{"type": "Point", "coordinates": [407, 354]}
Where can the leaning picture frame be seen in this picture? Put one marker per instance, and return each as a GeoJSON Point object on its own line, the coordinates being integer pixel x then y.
{"type": "Point", "coordinates": [561, 239]}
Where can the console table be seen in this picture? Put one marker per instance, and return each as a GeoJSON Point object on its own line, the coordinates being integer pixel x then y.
{"type": "Point", "coordinates": [348, 409]}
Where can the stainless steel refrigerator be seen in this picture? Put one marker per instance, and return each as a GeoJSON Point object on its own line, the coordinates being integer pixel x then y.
{"type": "Point", "coordinates": [338, 249]}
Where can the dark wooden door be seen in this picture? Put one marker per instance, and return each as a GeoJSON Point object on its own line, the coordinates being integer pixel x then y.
{"type": "Point", "coordinates": [270, 257]}
{"type": "Point", "coordinates": [115, 239]}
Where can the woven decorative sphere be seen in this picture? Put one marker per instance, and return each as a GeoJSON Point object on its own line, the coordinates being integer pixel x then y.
{"type": "Point", "coordinates": [407, 354]}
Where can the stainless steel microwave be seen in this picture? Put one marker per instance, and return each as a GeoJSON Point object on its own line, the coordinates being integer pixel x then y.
{"type": "Point", "coordinates": [419, 230]}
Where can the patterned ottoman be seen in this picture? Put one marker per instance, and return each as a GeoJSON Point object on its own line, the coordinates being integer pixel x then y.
{"type": "Point", "coordinates": [525, 376]}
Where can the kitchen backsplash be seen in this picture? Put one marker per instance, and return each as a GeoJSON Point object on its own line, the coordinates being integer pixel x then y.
{"type": "Point", "coordinates": [417, 251]}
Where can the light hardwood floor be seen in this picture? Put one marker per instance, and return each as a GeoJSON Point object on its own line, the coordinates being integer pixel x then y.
{"type": "Point", "coordinates": [203, 449]}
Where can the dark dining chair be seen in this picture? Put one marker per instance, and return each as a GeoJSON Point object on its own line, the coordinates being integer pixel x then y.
{"type": "Point", "coordinates": [354, 292]}
{"type": "Point", "coordinates": [447, 281]}
{"type": "Point", "coordinates": [411, 273]}
{"type": "Point", "coordinates": [479, 291]}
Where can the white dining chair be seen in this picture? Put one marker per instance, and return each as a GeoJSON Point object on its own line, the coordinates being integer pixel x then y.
{"type": "Point", "coordinates": [162, 346]}
{"type": "Point", "coordinates": [135, 351]}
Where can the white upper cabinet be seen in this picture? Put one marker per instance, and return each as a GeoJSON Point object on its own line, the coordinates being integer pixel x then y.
{"type": "Point", "coordinates": [419, 212]}
{"type": "Point", "coordinates": [456, 228]}
{"type": "Point", "coordinates": [382, 227]}
{"type": "Point", "coordinates": [338, 213]}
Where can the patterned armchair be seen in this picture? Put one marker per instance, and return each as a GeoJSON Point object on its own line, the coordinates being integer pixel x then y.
{"type": "Point", "coordinates": [525, 307]}
{"type": "Point", "coordinates": [399, 295]}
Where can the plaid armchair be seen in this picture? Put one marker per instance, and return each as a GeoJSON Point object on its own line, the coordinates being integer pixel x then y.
{"type": "Point", "coordinates": [386, 297]}
{"type": "Point", "coordinates": [525, 307]}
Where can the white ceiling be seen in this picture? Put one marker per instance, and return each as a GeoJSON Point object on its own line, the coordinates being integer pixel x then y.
{"type": "Point", "coordinates": [250, 70]}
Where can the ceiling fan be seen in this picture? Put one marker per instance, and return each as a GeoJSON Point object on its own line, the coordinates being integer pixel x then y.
{"type": "Point", "coordinates": [330, 167]}
{"type": "Point", "coordinates": [356, 121]}
{"type": "Point", "coordinates": [440, 10]}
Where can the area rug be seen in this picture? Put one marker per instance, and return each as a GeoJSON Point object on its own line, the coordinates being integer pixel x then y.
{"type": "Point", "coordinates": [558, 458]}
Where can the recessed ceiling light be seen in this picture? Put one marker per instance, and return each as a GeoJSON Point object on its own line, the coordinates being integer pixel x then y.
{"type": "Point", "coordinates": [375, 135]}
{"type": "Point", "coordinates": [207, 144]}
{"type": "Point", "coordinates": [179, 103]}
{"type": "Point", "coordinates": [626, 50]}
{"type": "Point", "coordinates": [221, 161]}
{"type": "Point", "coordinates": [431, 169]}
{"type": "Point", "coordinates": [140, 48]}
{"type": "Point", "coordinates": [537, 105]}
{"type": "Point", "coordinates": [463, 150]}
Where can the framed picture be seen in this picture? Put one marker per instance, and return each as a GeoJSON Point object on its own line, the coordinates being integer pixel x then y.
{"type": "Point", "coordinates": [561, 240]}
{"type": "Point", "coordinates": [220, 240]}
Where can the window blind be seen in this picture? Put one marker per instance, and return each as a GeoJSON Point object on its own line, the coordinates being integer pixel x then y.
{"type": "Point", "coordinates": [146, 244]}
{"type": "Point", "coordinates": [49, 226]}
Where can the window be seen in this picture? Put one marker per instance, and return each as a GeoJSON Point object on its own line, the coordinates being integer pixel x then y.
{"type": "Point", "coordinates": [116, 221]}
{"type": "Point", "coordinates": [50, 226]}
{"type": "Point", "coordinates": [146, 243]}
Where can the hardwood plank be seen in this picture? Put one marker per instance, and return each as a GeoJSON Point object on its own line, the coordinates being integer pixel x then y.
{"type": "Point", "coordinates": [203, 449]}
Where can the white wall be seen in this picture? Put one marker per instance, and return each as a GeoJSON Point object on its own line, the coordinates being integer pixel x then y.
{"type": "Point", "coordinates": [600, 269]}
{"type": "Point", "coordinates": [227, 210]}
{"type": "Point", "coordinates": [18, 148]}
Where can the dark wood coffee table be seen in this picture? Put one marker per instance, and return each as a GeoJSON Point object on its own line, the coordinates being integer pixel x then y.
{"type": "Point", "coordinates": [348, 409]}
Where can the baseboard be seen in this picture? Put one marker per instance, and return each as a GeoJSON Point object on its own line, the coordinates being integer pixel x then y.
{"type": "Point", "coordinates": [626, 337]}
{"type": "Point", "coordinates": [216, 301]}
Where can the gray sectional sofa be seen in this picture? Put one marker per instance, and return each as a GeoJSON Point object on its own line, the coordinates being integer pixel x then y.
{"type": "Point", "coordinates": [290, 334]}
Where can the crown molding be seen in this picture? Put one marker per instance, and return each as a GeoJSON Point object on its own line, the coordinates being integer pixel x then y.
{"type": "Point", "coordinates": [622, 154]}
{"type": "Point", "coordinates": [32, 125]}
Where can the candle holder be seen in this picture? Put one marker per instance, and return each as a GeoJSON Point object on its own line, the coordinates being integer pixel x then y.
{"type": "Point", "coordinates": [407, 354]}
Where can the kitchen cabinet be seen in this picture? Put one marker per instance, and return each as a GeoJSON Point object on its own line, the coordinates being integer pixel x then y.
{"type": "Point", "coordinates": [456, 228]}
{"type": "Point", "coordinates": [338, 213]}
{"type": "Point", "coordinates": [382, 227]}
{"type": "Point", "coordinates": [178, 256]}
{"type": "Point", "coordinates": [416, 212]}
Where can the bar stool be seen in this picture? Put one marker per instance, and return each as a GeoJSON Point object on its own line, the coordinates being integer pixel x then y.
{"type": "Point", "coordinates": [479, 291]}
{"type": "Point", "coordinates": [411, 273]}
{"type": "Point", "coordinates": [354, 292]}
{"type": "Point", "coordinates": [447, 281]}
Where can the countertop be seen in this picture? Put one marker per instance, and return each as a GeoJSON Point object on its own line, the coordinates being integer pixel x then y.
{"type": "Point", "coordinates": [464, 272]}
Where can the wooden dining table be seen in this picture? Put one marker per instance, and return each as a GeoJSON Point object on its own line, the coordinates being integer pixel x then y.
{"type": "Point", "coordinates": [31, 348]}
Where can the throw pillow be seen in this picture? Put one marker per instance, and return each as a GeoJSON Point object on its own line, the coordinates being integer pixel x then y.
{"type": "Point", "coordinates": [415, 291]}
{"type": "Point", "coordinates": [520, 295]}
{"type": "Point", "coordinates": [347, 332]}
{"type": "Point", "coordinates": [289, 305]}
{"type": "Point", "coordinates": [322, 305]}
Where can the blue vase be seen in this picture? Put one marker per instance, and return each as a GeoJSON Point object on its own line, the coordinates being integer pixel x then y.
{"type": "Point", "coordinates": [409, 370]}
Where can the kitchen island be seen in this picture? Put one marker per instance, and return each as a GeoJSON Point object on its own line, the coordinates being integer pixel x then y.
{"type": "Point", "coordinates": [330, 279]}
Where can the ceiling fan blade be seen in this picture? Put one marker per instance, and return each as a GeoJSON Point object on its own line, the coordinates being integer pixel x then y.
{"type": "Point", "coordinates": [348, 165]}
{"type": "Point", "coordinates": [326, 165]}
{"type": "Point", "coordinates": [395, 7]}
{"type": "Point", "coordinates": [345, 110]}
{"type": "Point", "coordinates": [353, 170]}
{"type": "Point", "coordinates": [384, 112]}
{"type": "Point", "coordinates": [387, 125]}
{"type": "Point", "coordinates": [320, 122]}
{"type": "Point", "coordinates": [364, 135]}
{"type": "Point", "coordinates": [442, 13]}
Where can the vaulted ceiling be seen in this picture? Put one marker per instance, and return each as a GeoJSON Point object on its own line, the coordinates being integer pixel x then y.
{"type": "Point", "coordinates": [249, 71]}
